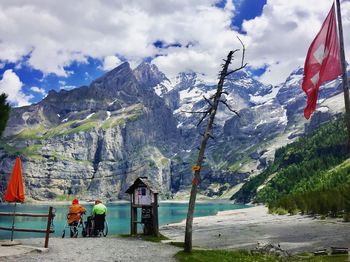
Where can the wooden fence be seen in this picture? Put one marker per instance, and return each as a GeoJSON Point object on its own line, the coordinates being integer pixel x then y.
{"type": "Point", "coordinates": [47, 231]}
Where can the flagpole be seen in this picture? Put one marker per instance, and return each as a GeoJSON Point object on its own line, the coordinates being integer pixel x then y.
{"type": "Point", "coordinates": [344, 73]}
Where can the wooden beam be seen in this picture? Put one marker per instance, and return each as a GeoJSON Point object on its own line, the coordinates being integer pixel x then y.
{"type": "Point", "coordinates": [26, 230]}
{"type": "Point", "coordinates": [22, 214]}
{"type": "Point", "coordinates": [155, 216]}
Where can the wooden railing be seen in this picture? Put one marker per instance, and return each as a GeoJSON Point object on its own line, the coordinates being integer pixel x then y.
{"type": "Point", "coordinates": [47, 231]}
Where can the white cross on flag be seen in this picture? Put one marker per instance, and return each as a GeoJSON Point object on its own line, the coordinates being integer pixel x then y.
{"type": "Point", "coordinates": [322, 61]}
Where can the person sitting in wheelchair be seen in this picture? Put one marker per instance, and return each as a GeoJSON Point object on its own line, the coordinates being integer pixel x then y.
{"type": "Point", "coordinates": [99, 212]}
{"type": "Point", "coordinates": [74, 216]}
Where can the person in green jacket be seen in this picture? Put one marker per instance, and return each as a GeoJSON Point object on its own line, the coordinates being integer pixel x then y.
{"type": "Point", "coordinates": [99, 212]}
{"type": "Point", "coordinates": [99, 208]}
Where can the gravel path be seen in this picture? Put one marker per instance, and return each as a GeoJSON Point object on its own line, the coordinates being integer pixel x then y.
{"type": "Point", "coordinates": [97, 249]}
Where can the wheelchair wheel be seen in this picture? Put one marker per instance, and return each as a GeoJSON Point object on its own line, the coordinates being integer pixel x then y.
{"type": "Point", "coordinates": [83, 232]}
{"type": "Point", "coordinates": [74, 231]}
{"type": "Point", "coordinates": [105, 230]}
{"type": "Point", "coordinates": [75, 235]}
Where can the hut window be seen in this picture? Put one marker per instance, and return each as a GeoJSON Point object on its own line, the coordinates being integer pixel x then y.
{"type": "Point", "coordinates": [142, 191]}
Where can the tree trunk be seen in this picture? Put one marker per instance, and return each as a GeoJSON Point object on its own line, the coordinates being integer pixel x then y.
{"type": "Point", "coordinates": [206, 136]}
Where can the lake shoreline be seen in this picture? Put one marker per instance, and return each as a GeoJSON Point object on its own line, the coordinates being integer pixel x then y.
{"type": "Point", "coordinates": [118, 215]}
{"type": "Point", "coordinates": [244, 228]}
{"type": "Point", "coordinates": [83, 202]}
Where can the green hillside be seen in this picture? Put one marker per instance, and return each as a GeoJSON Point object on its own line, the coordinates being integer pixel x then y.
{"type": "Point", "coordinates": [313, 169]}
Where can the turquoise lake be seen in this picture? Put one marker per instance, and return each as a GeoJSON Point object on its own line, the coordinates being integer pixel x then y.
{"type": "Point", "coordinates": [118, 216]}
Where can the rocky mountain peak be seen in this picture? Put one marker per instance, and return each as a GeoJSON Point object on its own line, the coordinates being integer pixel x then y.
{"type": "Point", "coordinates": [148, 74]}
{"type": "Point", "coordinates": [115, 76]}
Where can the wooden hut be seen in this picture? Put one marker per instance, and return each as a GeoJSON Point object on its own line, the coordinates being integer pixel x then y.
{"type": "Point", "coordinates": [144, 195]}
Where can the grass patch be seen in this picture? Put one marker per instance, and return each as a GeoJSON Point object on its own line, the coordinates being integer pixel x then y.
{"type": "Point", "coordinates": [59, 130]}
{"type": "Point", "coordinates": [235, 167]}
{"type": "Point", "coordinates": [110, 123]}
{"type": "Point", "coordinates": [31, 133]}
{"type": "Point", "coordinates": [146, 238]}
{"type": "Point", "coordinates": [332, 258]}
{"type": "Point", "coordinates": [82, 128]}
{"type": "Point", "coordinates": [154, 239]}
{"type": "Point", "coordinates": [245, 256]}
{"type": "Point", "coordinates": [221, 256]}
{"type": "Point", "coordinates": [124, 235]}
{"type": "Point", "coordinates": [177, 244]}
{"type": "Point", "coordinates": [278, 211]}
{"type": "Point", "coordinates": [32, 151]}
{"type": "Point", "coordinates": [64, 198]}
{"type": "Point", "coordinates": [11, 150]}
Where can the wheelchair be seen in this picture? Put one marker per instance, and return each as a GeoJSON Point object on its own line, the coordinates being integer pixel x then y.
{"type": "Point", "coordinates": [74, 227]}
{"type": "Point", "coordinates": [96, 226]}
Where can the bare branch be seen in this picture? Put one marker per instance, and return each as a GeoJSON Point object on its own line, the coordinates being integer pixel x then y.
{"type": "Point", "coordinates": [211, 136]}
{"type": "Point", "coordinates": [224, 92]}
{"type": "Point", "coordinates": [243, 65]}
{"type": "Point", "coordinates": [229, 108]}
{"type": "Point", "coordinates": [208, 101]}
{"type": "Point", "coordinates": [196, 112]}
{"type": "Point", "coordinates": [205, 115]}
{"type": "Point", "coordinates": [237, 69]}
{"type": "Point", "coordinates": [243, 51]}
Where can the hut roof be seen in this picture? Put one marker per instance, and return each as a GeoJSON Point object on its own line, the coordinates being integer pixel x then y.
{"type": "Point", "coordinates": [142, 181]}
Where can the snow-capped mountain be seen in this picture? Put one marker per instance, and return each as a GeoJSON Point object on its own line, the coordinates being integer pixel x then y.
{"type": "Point", "coordinates": [95, 140]}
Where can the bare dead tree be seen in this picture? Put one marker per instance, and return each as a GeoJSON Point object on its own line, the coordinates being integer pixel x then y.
{"type": "Point", "coordinates": [213, 103]}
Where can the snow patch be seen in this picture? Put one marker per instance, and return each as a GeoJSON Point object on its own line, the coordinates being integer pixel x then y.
{"type": "Point", "coordinates": [64, 120]}
{"type": "Point", "coordinates": [284, 119]}
{"type": "Point", "coordinates": [294, 80]}
{"type": "Point", "coordinates": [89, 116]}
{"type": "Point", "coordinates": [112, 102]}
{"type": "Point", "coordinates": [58, 115]}
{"type": "Point", "coordinates": [163, 87]}
{"type": "Point", "coordinates": [265, 98]}
{"type": "Point", "coordinates": [108, 115]}
{"type": "Point", "coordinates": [323, 109]}
{"type": "Point", "coordinates": [262, 121]}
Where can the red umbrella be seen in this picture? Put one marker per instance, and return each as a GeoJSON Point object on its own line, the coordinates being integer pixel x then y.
{"type": "Point", "coordinates": [15, 189]}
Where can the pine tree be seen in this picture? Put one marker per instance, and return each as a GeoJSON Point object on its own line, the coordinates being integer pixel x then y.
{"type": "Point", "coordinates": [4, 112]}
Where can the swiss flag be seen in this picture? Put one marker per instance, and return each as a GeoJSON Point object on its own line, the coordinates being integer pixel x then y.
{"type": "Point", "coordinates": [322, 61]}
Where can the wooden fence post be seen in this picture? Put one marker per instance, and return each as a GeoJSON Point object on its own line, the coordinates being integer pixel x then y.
{"type": "Point", "coordinates": [49, 219]}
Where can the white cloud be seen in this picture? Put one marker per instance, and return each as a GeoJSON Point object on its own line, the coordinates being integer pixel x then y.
{"type": "Point", "coordinates": [67, 87]}
{"type": "Point", "coordinates": [281, 36]}
{"type": "Point", "coordinates": [110, 62]}
{"type": "Point", "coordinates": [38, 90]}
{"type": "Point", "coordinates": [11, 85]}
{"type": "Point", "coordinates": [57, 33]}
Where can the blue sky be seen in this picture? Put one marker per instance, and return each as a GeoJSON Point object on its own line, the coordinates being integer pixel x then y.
{"type": "Point", "coordinates": [66, 45]}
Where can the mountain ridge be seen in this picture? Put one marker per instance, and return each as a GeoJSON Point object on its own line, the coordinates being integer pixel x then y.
{"type": "Point", "coordinates": [129, 123]}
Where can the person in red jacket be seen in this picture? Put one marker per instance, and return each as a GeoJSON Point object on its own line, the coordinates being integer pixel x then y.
{"type": "Point", "coordinates": [75, 212]}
